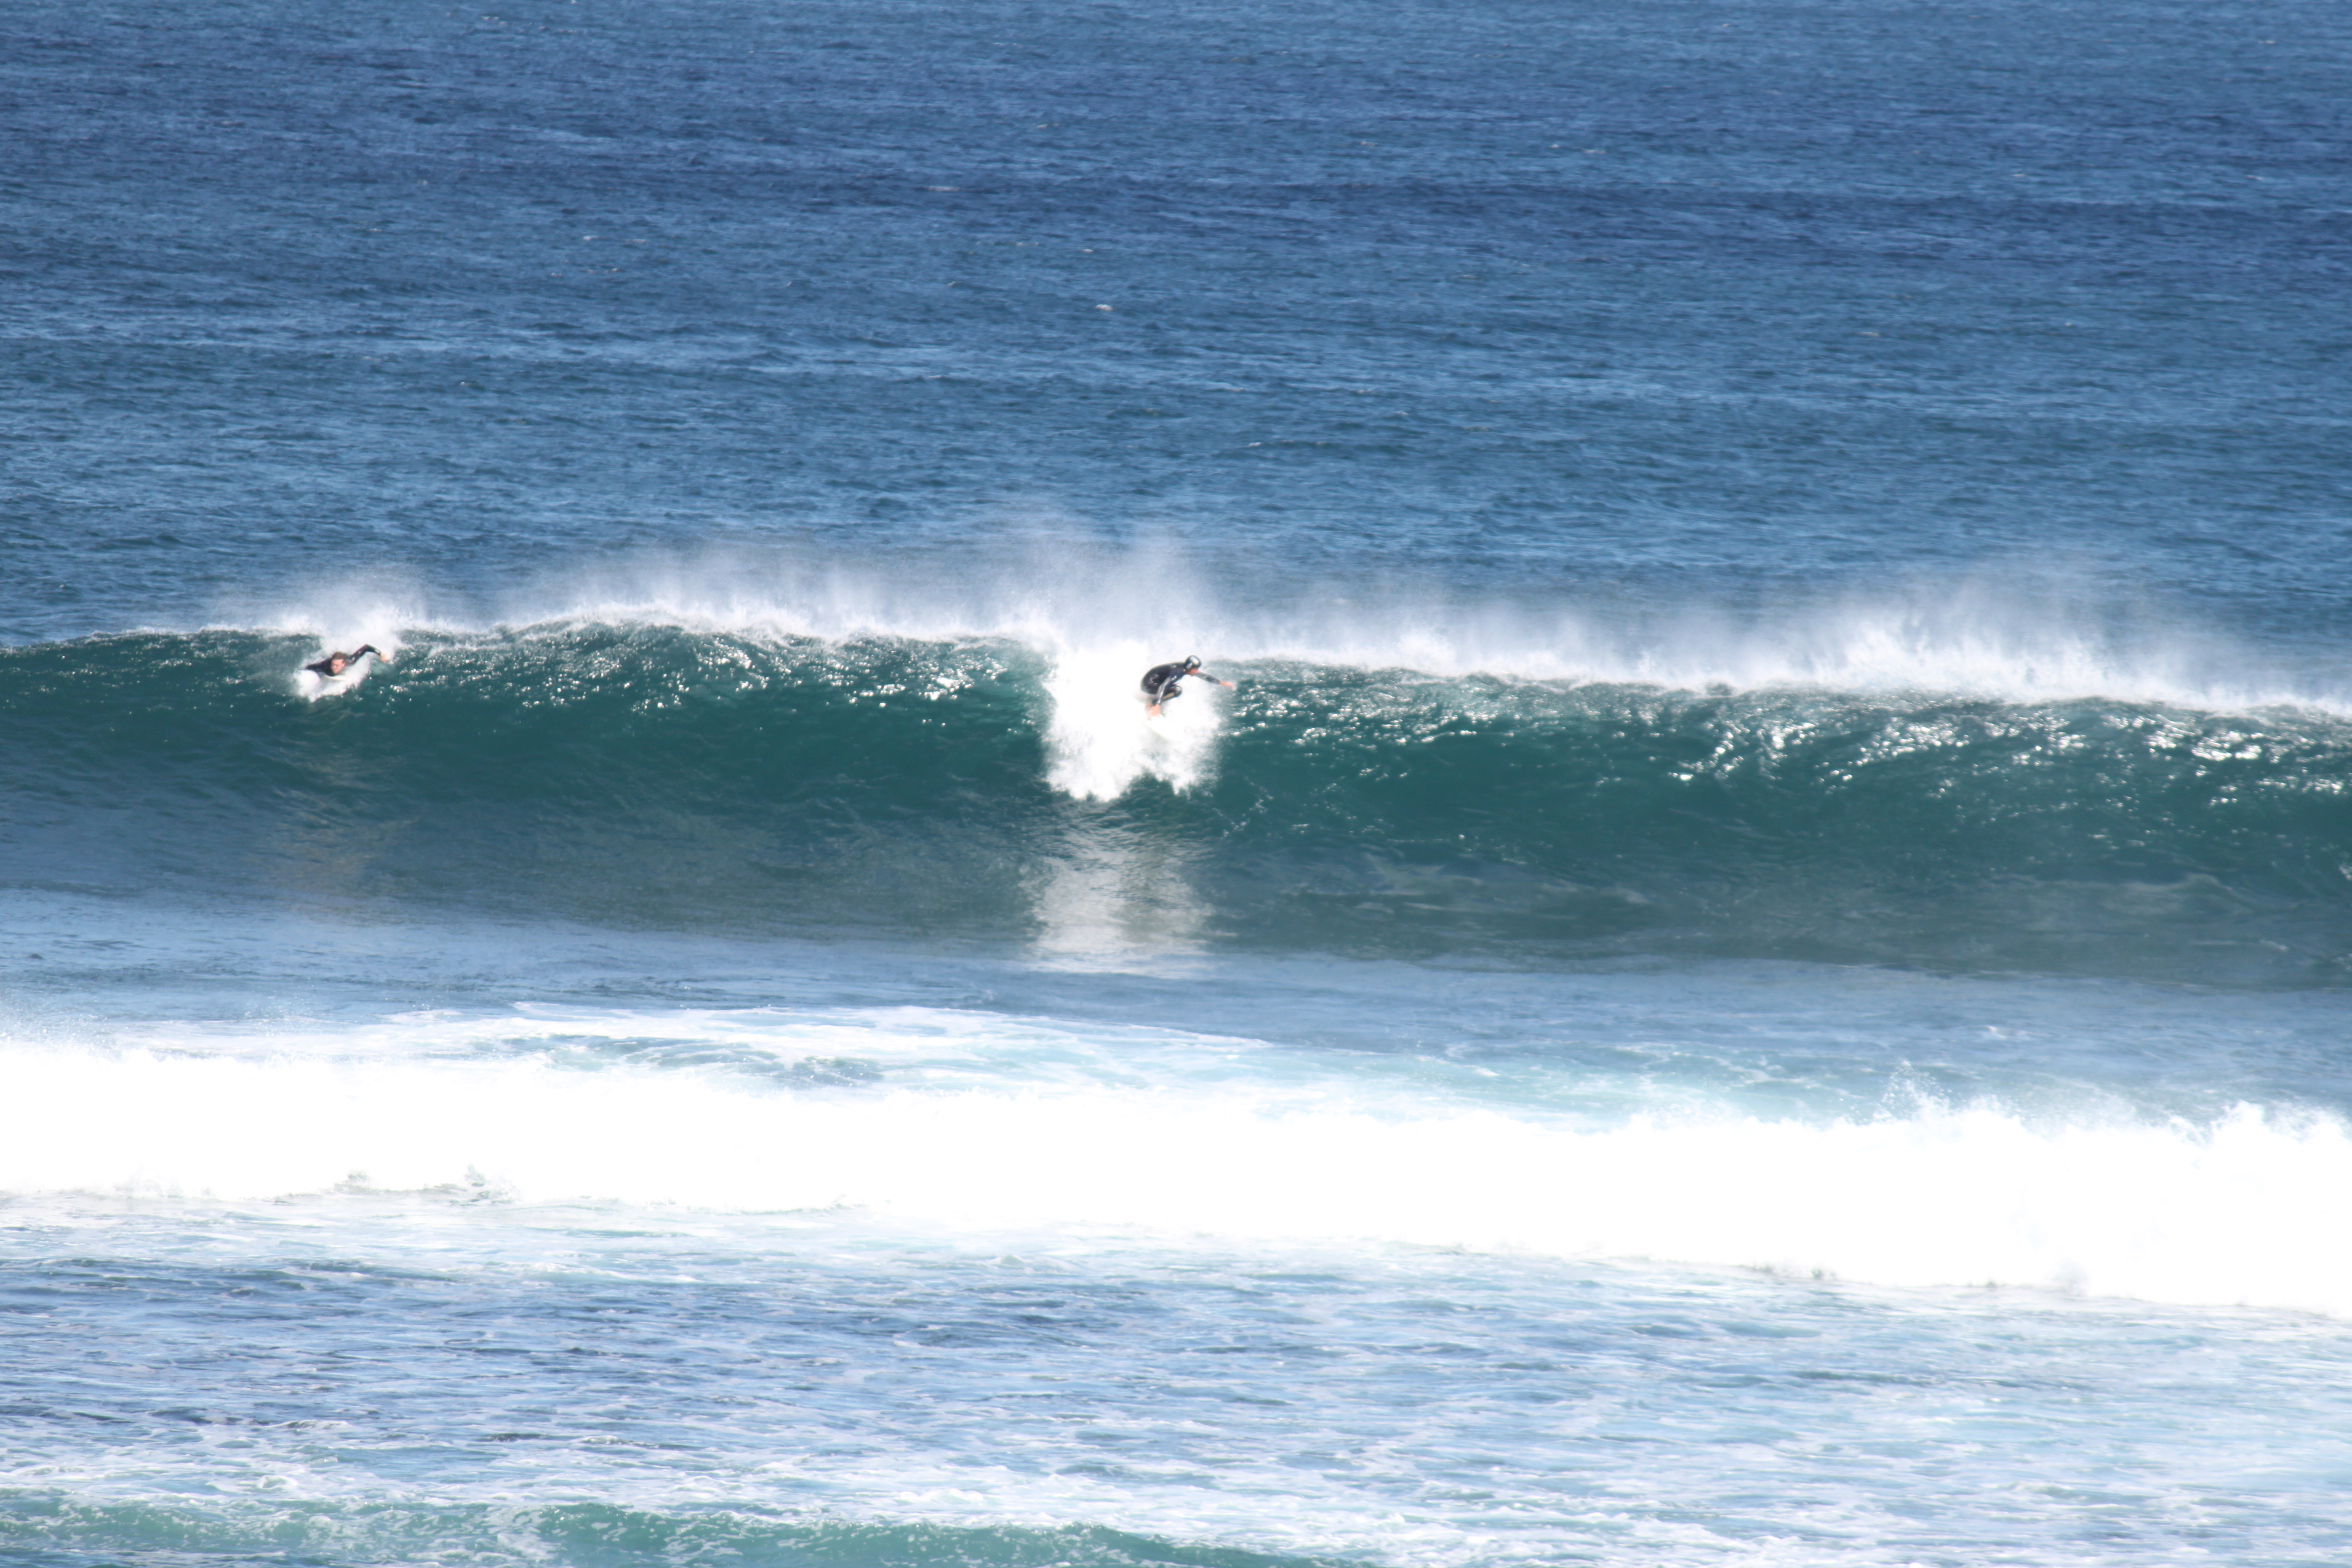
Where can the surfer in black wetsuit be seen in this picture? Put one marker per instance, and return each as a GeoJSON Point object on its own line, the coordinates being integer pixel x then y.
{"type": "Point", "coordinates": [335, 664]}
{"type": "Point", "coordinates": [1161, 682]}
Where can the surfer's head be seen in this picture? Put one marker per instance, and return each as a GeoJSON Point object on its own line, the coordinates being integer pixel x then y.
{"type": "Point", "coordinates": [1191, 662]}
{"type": "Point", "coordinates": [337, 662]}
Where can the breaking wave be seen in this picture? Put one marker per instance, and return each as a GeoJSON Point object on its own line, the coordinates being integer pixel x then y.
{"type": "Point", "coordinates": [1947, 800]}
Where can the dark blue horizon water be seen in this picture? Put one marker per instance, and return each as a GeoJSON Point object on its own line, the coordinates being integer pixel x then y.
{"type": "Point", "coordinates": [1751, 974]}
{"type": "Point", "coordinates": [1706, 297]}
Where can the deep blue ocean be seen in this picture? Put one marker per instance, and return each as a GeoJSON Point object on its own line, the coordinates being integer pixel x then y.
{"type": "Point", "coordinates": [1752, 972]}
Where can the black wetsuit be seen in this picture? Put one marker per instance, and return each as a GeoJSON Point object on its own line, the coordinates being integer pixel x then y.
{"type": "Point", "coordinates": [322, 667]}
{"type": "Point", "coordinates": [1159, 682]}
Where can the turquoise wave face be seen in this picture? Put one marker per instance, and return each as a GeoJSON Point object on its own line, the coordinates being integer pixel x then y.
{"type": "Point", "coordinates": [653, 777]}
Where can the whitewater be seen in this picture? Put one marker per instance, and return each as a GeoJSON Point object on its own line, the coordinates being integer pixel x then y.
{"type": "Point", "coordinates": [971, 1124]}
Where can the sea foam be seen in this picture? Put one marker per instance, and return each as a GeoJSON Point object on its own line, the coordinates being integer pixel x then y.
{"type": "Point", "coordinates": [2231, 1210]}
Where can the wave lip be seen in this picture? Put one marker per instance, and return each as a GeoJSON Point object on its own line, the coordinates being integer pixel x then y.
{"type": "Point", "coordinates": [2000, 637]}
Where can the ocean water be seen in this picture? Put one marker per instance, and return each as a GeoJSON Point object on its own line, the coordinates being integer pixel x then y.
{"type": "Point", "coordinates": [1753, 971]}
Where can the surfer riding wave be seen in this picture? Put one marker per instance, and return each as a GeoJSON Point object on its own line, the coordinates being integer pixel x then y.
{"type": "Point", "coordinates": [336, 665]}
{"type": "Point", "coordinates": [1162, 683]}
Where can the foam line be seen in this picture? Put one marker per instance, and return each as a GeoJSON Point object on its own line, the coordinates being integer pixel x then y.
{"type": "Point", "coordinates": [2232, 1211]}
